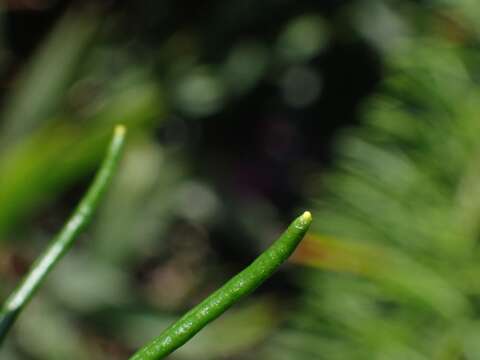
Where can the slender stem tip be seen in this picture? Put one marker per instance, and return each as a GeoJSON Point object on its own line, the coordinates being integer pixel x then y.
{"type": "Point", "coordinates": [120, 130]}
{"type": "Point", "coordinates": [221, 300]}
{"type": "Point", "coordinates": [64, 240]}
{"type": "Point", "coordinates": [306, 217]}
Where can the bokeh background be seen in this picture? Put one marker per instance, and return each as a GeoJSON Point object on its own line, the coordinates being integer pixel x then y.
{"type": "Point", "coordinates": [242, 114]}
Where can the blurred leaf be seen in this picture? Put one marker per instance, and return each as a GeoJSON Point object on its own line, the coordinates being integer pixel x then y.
{"type": "Point", "coordinates": [47, 333]}
{"type": "Point", "coordinates": [41, 87]}
{"type": "Point", "coordinates": [399, 209]}
{"type": "Point", "coordinates": [387, 266]}
{"type": "Point", "coordinates": [55, 156]}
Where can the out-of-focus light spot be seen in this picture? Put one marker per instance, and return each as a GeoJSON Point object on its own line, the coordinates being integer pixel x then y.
{"type": "Point", "coordinates": [146, 159]}
{"type": "Point", "coordinates": [244, 67]}
{"type": "Point", "coordinates": [380, 25]}
{"type": "Point", "coordinates": [302, 39]}
{"type": "Point", "coordinates": [301, 86]}
{"type": "Point", "coordinates": [199, 93]}
{"type": "Point", "coordinates": [196, 201]}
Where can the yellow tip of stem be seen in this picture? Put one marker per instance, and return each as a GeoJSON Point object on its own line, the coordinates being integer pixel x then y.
{"type": "Point", "coordinates": [306, 217]}
{"type": "Point", "coordinates": [120, 130]}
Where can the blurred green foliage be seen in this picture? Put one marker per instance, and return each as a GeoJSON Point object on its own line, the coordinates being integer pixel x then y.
{"type": "Point", "coordinates": [232, 106]}
{"type": "Point", "coordinates": [399, 212]}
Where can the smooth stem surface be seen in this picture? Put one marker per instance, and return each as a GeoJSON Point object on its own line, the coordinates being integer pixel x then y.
{"type": "Point", "coordinates": [62, 242]}
{"type": "Point", "coordinates": [221, 300]}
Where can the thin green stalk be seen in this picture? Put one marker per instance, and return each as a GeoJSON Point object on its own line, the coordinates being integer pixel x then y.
{"type": "Point", "coordinates": [80, 218]}
{"type": "Point", "coordinates": [221, 300]}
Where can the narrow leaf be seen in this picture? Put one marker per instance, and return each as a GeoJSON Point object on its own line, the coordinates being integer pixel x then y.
{"type": "Point", "coordinates": [80, 218]}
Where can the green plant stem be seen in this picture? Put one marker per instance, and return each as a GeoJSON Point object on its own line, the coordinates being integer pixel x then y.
{"type": "Point", "coordinates": [62, 242]}
{"type": "Point", "coordinates": [221, 300]}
